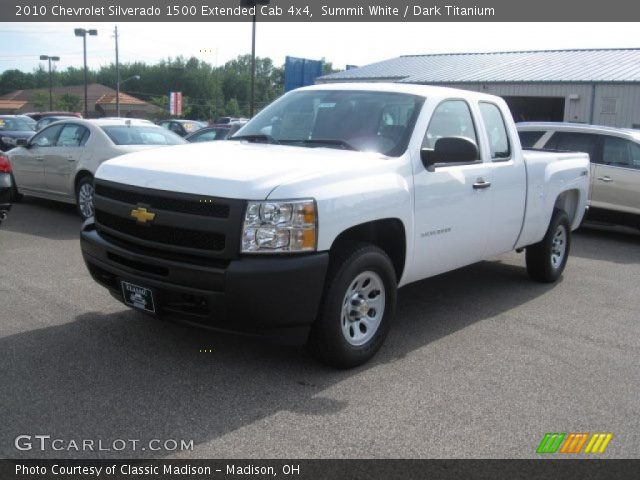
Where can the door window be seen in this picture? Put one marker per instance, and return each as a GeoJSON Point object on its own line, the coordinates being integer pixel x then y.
{"type": "Point", "coordinates": [496, 131]}
{"type": "Point", "coordinates": [635, 155]}
{"type": "Point", "coordinates": [47, 137]}
{"type": "Point", "coordinates": [72, 136]}
{"type": "Point", "coordinates": [452, 118]}
{"type": "Point", "coordinates": [619, 152]}
{"type": "Point", "coordinates": [575, 142]}
{"type": "Point", "coordinates": [529, 138]}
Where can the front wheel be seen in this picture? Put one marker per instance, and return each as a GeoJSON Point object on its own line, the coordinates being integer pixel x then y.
{"type": "Point", "coordinates": [357, 308]}
{"type": "Point", "coordinates": [546, 260]}
{"type": "Point", "coordinates": [84, 197]}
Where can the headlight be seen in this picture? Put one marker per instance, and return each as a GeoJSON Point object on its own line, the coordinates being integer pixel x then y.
{"type": "Point", "coordinates": [9, 140]}
{"type": "Point", "coordinates": [281, 226]}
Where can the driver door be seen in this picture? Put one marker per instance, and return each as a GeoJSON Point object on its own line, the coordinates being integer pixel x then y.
{"type": "Point", "coordinates": [452, 202]}
{"type": "Point", "coordinates": [28, 162]}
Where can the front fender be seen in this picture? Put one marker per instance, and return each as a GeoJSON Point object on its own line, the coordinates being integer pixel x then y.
{"type": "Point", "coordinates": [348, 199]}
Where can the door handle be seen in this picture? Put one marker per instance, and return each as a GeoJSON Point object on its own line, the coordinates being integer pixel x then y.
{"type": "Point", "coordinates": [605, 179]}
{"type": "Point", "coordinates": [480, 184]}
{"type": "Point", "coordinates": [39, 158]}
{"type": "Point", "coordinates": [70, 158]}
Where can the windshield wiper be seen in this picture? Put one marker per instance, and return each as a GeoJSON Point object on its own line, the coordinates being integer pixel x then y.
{"type": "Point", "coordinates": [260, 137]}
{"type": "Point", "coordinates": [323, 141]}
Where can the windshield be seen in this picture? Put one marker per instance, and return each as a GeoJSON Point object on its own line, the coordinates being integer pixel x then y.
{"type": "Point", "coordinates": [141, 135]}
{"type": "Point", "coordinates": [17, 124]}
{"type": "Point", "coordinates": [350, 119]}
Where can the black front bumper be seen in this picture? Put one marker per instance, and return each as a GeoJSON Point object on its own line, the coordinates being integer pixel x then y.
{"type": "Point", "coordinates": [268, 296]}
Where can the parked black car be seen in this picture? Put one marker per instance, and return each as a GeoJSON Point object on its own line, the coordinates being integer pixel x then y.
{"type": "Point", "coordinates": [14, 127]}
{"type": "Point", "coordinates": [214, 132]}
{"type": "Point", "coordinates": [182, 127]}
{"type": "Point", "coordinates": [6, 186]}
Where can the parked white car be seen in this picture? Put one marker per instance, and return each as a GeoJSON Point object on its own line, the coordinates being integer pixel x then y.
{"type": "Point", "coordinates": [615, 164]}
{"type": "Point", "coordinates": [305, 222]}
{"type": "Point", "coordinates": [59, 162]}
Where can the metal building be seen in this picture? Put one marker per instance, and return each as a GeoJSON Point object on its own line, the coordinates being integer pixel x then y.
{"type": "Point", "coordinates": [585, 86]}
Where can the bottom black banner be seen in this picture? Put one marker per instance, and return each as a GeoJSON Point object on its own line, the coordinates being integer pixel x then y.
{"type": "Point", "coordinates": [317, 469]}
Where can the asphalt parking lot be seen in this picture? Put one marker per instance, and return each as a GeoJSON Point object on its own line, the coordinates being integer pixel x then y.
{"type": "Point", "coordinates": [481, 362]}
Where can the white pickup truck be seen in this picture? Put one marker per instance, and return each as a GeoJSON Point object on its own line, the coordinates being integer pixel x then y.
{"type": "Point", "coordinates": [305, 223]}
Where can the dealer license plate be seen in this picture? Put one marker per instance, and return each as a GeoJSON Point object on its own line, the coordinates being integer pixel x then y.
{"type": "Point", "coordinates": [138, 297]}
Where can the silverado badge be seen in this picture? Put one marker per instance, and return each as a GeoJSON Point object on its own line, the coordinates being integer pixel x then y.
{"type": "Point", "coordinates": [142, 215]}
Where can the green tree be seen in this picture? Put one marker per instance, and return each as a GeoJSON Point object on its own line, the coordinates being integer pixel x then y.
{"type": "Point", "coordinates": [41, 101]}
{"type": "Point", "coordinates": [232, 108]}
{"type": "Point", "coordinates": [69, 102]}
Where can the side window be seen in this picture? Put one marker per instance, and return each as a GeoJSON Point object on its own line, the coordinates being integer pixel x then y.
{"type": "Point", "coordinates": [575, 142]}
{"type": "Point", "coordinates": [496, 131]}
{"type": "Point", "coordinates": [530, 137]}
{"type": "Point", "coordinates": [175, 127]}
{"type": "Point", "coordinates": [72, 136]}
{"type": "Point", "coordinates": [635, 155]}
{"type": "Point", "coordinates": [452, 118]}
{"type": "Point", "coordinates": [620, 152]}
{"type": "Point", "coordinates": [47, 137]}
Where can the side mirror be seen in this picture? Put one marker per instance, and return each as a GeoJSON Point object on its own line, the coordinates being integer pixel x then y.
{"type": "Point", "coordinates": [450, 150]}
{"type": "Point", "coordinates": [22, 142]}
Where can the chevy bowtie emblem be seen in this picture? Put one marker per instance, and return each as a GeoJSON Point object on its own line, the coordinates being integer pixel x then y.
{"type": "Point", "coordinates": [142, 215]}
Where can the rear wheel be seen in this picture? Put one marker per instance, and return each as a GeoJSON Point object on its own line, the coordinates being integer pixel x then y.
{"type": "Point", "coordinates": [546, 260]}
{"type": "Point", "coordinates": [357, 307]}
{"type": "Point", "coordinates": [84, 197]}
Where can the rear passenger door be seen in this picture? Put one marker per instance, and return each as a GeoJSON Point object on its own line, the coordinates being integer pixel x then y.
{"type": "Point", "coordinates": [616, 179]}
{"type": "Point", "coordinates": [508, 181]}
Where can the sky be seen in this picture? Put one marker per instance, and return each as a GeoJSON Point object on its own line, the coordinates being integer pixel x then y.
{"type": "Point", "coordinates": [21, 44]}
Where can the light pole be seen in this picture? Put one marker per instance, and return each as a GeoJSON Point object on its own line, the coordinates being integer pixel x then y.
{"type": "Point", "coordinates": [51, 59]}
{"type": "Point", "coordinates": [134, 77]}
{"type": "Point", "coordinates": [82, 32]}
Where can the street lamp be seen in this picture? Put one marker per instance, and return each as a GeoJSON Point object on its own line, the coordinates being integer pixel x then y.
{"type": "Point", "coordinates": [134, 77]}
{"type": "Point", "coordinates": [51, 59]}
{"type": "Point", "coordinates": [82, 32]}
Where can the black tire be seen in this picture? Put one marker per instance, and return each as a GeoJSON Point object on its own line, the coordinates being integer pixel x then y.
{"type": "Point", "coordinates": [542, 258]}
{"type": "Point", "coordinates": [327, 342]}
{"type": "Point", "coordinates": [86, 179]}
{"type": "Point", "coordinates": [16, 196]}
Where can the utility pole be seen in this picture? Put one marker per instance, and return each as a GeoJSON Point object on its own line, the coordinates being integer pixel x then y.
{"type": "Point", "coordinates": [117, 75]}
{"type": "Point", "coordinates": [253, 67]}
{"type": "Point", "coordinates": [82, 32]}
{"type": "Point", "coordinates": [51, 59]}
{"type": "Point", "coordinates": [253, 4]}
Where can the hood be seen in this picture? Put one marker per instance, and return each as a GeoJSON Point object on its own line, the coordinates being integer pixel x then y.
{"type": "Point", "coordinates": [231, 169]}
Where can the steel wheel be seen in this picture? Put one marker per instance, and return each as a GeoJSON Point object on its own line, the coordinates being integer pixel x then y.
{"type": "Point", "coordinates": [558, 246]}
{"type": "Point", "coordinates": [362, 308]}
{"type": "Point", "coordinates": [85, 199]}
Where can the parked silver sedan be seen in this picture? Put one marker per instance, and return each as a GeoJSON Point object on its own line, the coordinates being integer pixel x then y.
{"type": "Point", "coordinates": [58, 163]}
{"type": "Point", "coordinates": [615, 164]}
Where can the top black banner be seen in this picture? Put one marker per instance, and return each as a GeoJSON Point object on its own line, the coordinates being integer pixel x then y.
{"type": "Point", "coordinates": [318, 10]}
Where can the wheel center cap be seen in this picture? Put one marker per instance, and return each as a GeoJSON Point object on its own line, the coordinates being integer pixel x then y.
{"type": "Point", "coordinates": [358, 307]}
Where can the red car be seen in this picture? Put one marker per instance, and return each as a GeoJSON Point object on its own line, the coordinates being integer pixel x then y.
{"type": "Point", "coordinates": [6, 186]}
